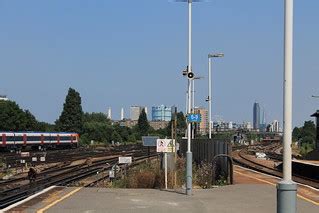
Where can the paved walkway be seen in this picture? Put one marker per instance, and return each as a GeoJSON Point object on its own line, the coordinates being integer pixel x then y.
{"type": "Point", "coordinates": [242, 198]}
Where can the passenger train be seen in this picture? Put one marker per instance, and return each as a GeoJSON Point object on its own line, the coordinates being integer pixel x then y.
{"type": "Point", "coordinates": [37, 140]}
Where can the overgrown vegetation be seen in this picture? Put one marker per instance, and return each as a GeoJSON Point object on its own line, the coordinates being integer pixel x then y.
{"type": "Point", "coordinates": [305, 136]}
{"type": "Point", "coordinates": [150, 175]}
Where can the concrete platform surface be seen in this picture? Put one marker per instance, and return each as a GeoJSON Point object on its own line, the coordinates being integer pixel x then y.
{"type": "Point", "coordinates": [243, 198]}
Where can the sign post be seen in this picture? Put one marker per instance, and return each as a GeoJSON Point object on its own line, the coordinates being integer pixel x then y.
{"type": "Point", "coordinates": [165, 146]}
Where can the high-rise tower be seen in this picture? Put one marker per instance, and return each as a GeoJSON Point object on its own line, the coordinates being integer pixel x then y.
{"type": "Point", "coordinates": [256, 116]}
{"type": "Point", "coordinates": [109, 114]}
{"type": "Point", "coordinates": [122, 114]}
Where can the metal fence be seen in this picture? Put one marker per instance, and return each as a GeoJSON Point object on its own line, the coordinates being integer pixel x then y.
{"type": "Point", "coordinates": [205, 150]}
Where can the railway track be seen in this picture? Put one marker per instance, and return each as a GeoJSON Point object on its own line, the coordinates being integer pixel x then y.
{"type": "Point", "coordinates": [242, 159]}
{"type": "Point", "coordinates": [60, 177]}
{"type": "Point", "coordinates": [66, 166]}
{"type": "Point", "coordinates": [53, 156]}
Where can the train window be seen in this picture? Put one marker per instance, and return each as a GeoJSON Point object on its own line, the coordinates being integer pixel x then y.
{"type": "Point", "coordinates": [47, 138]}
{"type": "Point", "coordinates": [65, 138]}
{"type": "Point", "coordinates": [18, 138]}
{"type": "Point", "coordinates": [34, 138]}
{"type": "Point", "coordinates": [54, 138]}
{"type": "Point", "coordinates": [74, 138]}
{"type": "Point", "coordinates": [10, 138]}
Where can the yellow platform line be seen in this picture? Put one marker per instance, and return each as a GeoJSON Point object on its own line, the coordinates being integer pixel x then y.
{"type": "Point", "coordinates": [270, 183]}
{"type": "Point", "coordinates": [58, 200]}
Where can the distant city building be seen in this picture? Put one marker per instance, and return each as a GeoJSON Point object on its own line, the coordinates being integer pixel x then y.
{"type": "Point", "coordinates": [122, 114]}
{"type": "Point", "coordinates": [230, 125]}
{"type": "Point", "coordinates": [161, 113]}
{"type": "Point", "coordinates": [159, 124]}
{"type": "Point", "coordinates": [128, 123]}
{"type": "Point", "coordinates": [247, 126]}
{"type": "Point", "coordinates": [202, 127]}
{"type": "Point", "coordinates": [256, 116]}
{"type": "Point", "coordinates": [275, 124]}
{"type": "Point", "coordinates": [136, 111]}
{"type": "Point", "coordinates": [109, 113]}
{"type": "Point", "coordinates": [273, 127]}
{"type": "Point", "coordinates": [263, 124]}
{"type": "Point", "coordinates": [3, 98]}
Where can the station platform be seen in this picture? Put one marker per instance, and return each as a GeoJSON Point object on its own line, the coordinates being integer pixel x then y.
{"type": "Point", "coordinates": [252, 192]}
{"type": "Point", "coordinates": [305, 168]}
{"type": "Point", "coordinates": [241, 198]}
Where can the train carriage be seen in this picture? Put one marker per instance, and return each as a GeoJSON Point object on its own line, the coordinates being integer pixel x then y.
{"type": "Point", "coordinates": [22, 140]}
{"type": "Point", "coordinates": [7, 139]}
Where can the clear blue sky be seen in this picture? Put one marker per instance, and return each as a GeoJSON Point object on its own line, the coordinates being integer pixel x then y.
{"type": "Point", "coordinates": [123, 53]}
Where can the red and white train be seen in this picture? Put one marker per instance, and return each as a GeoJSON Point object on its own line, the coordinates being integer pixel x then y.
{"type": "Point", "coordinates": [22, 140]}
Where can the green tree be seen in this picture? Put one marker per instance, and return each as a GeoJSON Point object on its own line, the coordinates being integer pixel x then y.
{"type": "Point", "coordinates": [96, 127]}
{"type": "Point", "coordinates": [305, 134]}
{"type": "Point", "coordinates": [309, 129]}
{"type": "Point", "coordinates": [143, 126]}
{"type": "Point", "coordinates": [96, 131]}
{"type": "Point", "coordinates": [31, 122]}
{"type": "Point", "coordinates": [96, 117]}
{"type": "Point", "coordinates": [296, 134]}
{"type": "Point", "coordinates": [131, 138]}
{"type": "Point", "coordinates": [71, 118]}
{"type": "Point", "coordinates": [46, 127]}
{"type": "Point", "coordinates": [13, 118]}
{"type": "Point", "coordinates": [116, 137]}
{"type": "Point", "coordinates": [181, 125]}
{"type": "Point", "coordinates": [123, 131]}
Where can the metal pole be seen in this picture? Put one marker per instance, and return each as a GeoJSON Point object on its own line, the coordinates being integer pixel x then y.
{"type": "Point", "coordinates": [189, 175]}
{"type": "Point", "coordinates": [287, 189]}
{"type": "Point", "coordinates": [175, 137]}
{"type": "Point", "coordinates": [165, 165]}
{"type": "Point", "coordinates": [209, 98]}
{"type": "Point", "coordinates": [186, 106]}
{"type": "Point", "coordinates": [193, 107]}
{"type": "Point", "coordinates": [193, 97]}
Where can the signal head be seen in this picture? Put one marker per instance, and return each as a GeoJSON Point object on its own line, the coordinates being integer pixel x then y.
{"type": "Point", "coordinates": [190, 75]}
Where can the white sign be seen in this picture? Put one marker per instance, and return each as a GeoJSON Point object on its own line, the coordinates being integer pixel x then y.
{"type": "Point", "coordinates": [22, 161]}
{"type": "Point", "coordinates": [42, 159]}
{"type": "Point", "coordinates": [34, 159]}
{"type": "Point", "coordinates": [25, 154]}
{"type": "Point", "coordinates": [165, 145]}
{"type": "Point", "coordinates": [125, 160]}
{"type": "Point", "coordinates": [111, 174]}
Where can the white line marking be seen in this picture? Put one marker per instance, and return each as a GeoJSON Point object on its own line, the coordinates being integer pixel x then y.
{"type": "Point", "coordinates": [310, 187]}
{"type": "Point", "coordinates": [27, 199]}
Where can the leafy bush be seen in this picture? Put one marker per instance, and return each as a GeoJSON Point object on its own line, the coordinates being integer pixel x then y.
{"type": "Point", "coordinates": [204, 175]}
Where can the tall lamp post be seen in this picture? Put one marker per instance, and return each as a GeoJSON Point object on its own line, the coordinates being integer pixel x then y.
{"type": "Point", "coordinates": [287, 189]}
{"type": "Point", "coordinates": [209, 98]}
{"type": "Point", "coordinates": [193, 102]}
{"type": "Point", "coordinates": [189, 155]}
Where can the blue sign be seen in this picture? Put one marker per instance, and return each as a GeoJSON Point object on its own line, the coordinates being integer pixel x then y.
{"type": "Point", "coordinates": [194, 118]}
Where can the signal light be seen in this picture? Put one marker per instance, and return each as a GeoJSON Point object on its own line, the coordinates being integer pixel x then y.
{"type": "Point", "coordinates": [190, 75]}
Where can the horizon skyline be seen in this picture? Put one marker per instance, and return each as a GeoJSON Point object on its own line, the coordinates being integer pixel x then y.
{"type": "Point", "coordinates": [215, 118]}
